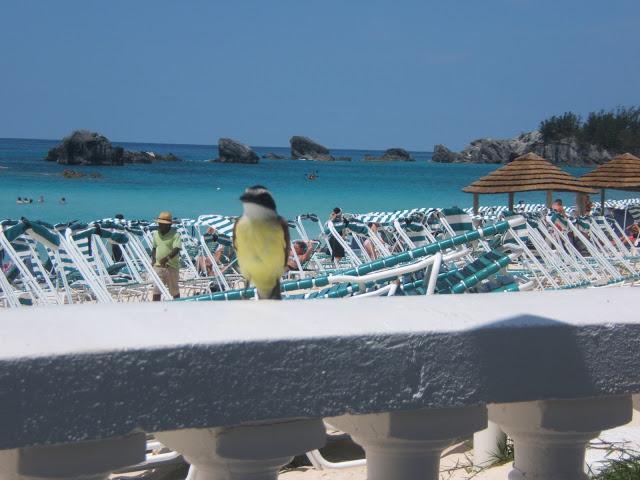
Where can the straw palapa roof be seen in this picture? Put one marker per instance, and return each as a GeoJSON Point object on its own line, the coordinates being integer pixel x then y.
{"type": "Point", "coordinates": [621, 173]}
{"type": "Point", "coordinates": [528, 173]}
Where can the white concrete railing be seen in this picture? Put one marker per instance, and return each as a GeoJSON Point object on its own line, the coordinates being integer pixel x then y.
{"type": "Point", "coordinates": [240, 387]}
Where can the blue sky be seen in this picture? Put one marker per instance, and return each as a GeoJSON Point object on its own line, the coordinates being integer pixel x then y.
{"type": "Point", "coordinates": [349, 74]}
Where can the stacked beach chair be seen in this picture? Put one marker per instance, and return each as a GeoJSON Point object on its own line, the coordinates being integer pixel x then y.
{"type": "Point", "coordinates": [413, 252]}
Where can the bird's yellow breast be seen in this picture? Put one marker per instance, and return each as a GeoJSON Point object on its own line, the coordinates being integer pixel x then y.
{"type": "Point", "coordinates": [260, 247]}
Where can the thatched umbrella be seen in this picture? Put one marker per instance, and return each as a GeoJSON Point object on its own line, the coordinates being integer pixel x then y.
{"type": "Point", "coordinates": [621, 173]}
{"type": "Point", "coordinates": [524, 174]}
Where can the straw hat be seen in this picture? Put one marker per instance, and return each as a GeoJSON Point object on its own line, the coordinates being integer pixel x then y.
{"type": "Point", "coordinates": [164, 217]}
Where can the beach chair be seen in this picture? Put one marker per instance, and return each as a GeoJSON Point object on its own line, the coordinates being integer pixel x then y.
{"type": "Point", "coordinates": [335, 228]}
{"type": "Point", "coordinates": [388, 218]}
{"type": "Point", "coordinates": [530, 263]}
{"type": "Point", "coordinates": [123, 280]}
{"type": "Point", "coordinates": [320, 261]}
{"type": "Point", "coordinates": [599, 270]}
{"type": "Point", "coordinates": [307, 267]}
{"type": "Point", "coordinates": [634, 211]}
{"type": "Point", "coordinates": [378, 274]}
{"type": "Point", "coordinates": [485, 274]}
{"type": "Point", "coordinates": [363, 236]}
{"type": "Point", "coordinates": [389, 221]}
{"type": "Point", "coordinates": [8, 296]}
{"type": "Point", "coordinates": [602, 252]}
{"type": "Point", "coordinates": [558, 254]}
{"type": "Point", "coordinates": [456, 221]}
{"type": "Point", "coordinates": [609, 231]}
{"type": "Point", "coordinates": [413, 232]}
{"type": "Point", "coordinates": [214, 251]}
{"type": "Point", "coordinates": [28, 279]}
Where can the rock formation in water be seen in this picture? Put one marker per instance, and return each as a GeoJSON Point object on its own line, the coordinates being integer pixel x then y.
{"type": "Point", "coordinates": [391, 155]}
{"type": "Point", "coordinates": [83, 147]}
{"type": "Point", "coordinates": [488, 150]}
{"type": "Point", "coordinates": [232, 151]}
{"type": "Point", "coordinates": [68, 173]}
{"type": "Point", "coordinates": [274, 156]}
{"type": "Point", "coordinates": [131, 156]}
{"type": "Point", "coordinates": [305, 148]}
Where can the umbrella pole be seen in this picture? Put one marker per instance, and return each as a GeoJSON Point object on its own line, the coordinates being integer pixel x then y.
{"type": "Point", "coordinates": [549, 198]}
{"type": "Point", "coordinates": [602, 200]}
{"type": "Point", "coordinates": [511, 201]}
{"type": "Point", "coordinates": [476, 203]}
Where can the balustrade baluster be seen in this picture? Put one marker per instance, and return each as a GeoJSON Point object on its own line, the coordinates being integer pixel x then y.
{"type": "Point", "coordinates": [550, 436]}
{"type": "Point", "coordinates": [254, 451]}
{"type": "Point", "coordinates": [407, 444]}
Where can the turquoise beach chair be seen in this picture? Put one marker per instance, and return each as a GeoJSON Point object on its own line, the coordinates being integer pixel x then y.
{"type": "Point", "coordinates": [380, 273]}
{"type": "Point", "coordinates": [28, 279]}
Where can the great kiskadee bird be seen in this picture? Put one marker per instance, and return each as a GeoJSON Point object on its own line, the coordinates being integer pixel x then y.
{"type": "Point", "coordinates": [261, 241]}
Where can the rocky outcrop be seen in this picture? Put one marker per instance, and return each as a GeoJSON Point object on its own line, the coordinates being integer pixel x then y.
{"type": "Point", "coordinates": [274, 156]}
{"type": "Point", "coordinates": [442, 154]}
{"type": "Point", "coordinates": [307, 149]}
{"type": "Point", "coordinates": [232, 151]}
{"type": "Point", "coordinates": [83, 147]}
{"type": "Point", "coordinates": [391, 155]}
{"type": "Point", "coordinates": [131, 156]}
{"type": "Point", "coordinates": [488, 150]}
{"type": "Point", "coordinates": [68, 173]}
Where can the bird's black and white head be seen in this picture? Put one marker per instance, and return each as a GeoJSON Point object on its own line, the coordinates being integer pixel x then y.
{"type": "Point", "coordinates": [258, 202]}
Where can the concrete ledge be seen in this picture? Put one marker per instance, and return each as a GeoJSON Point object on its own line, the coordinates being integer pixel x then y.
{"type": "Point", "coordinates": [89, 372]}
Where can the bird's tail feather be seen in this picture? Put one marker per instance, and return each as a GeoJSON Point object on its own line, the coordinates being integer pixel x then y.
{"type": "Point", "coordinates": [275, 293]}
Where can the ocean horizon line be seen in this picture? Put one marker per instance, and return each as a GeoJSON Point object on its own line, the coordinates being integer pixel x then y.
{"type": "Point", "coordinates": [213, 145]}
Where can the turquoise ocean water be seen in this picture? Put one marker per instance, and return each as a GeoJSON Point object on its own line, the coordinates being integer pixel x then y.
{"type": "Point", "coordinates": [195, 187]}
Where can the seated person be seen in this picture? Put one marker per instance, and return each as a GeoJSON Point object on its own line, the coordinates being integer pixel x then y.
{"type": "Point", "coordinates": [558, 208]}
{"type": "Point", "coordinates": [633, 231]}
{"type": "Point", "coordinates": [203, 263]}
{"type": "Point", "coordinates": [588, 205]}
{"type": "Point", "coordinates": [583, 204]}
{"type": "Point", "coordinates": [299, 251]}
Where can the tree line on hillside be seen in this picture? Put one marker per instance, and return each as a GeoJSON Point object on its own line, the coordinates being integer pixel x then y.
{"type": "Point", "coordinates": [617, 129]}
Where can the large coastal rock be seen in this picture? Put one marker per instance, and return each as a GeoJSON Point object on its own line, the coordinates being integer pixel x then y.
{"type": "Point", "coordinates": [83, 147]}
{"type": "Point", "coordinates": [307, 149]}
{"type": "Point", "coordinates": [488, 150]}
{"type": "Point", "coordinates": [131, 156]}
{"type": "Point", "coordinates": [232, 151]}
{"type": "Point", "coordinates": [391, 155]}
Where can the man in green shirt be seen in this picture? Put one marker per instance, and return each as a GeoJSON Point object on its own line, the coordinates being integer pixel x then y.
{"type": "Point", "coordinates": [164, 255]}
